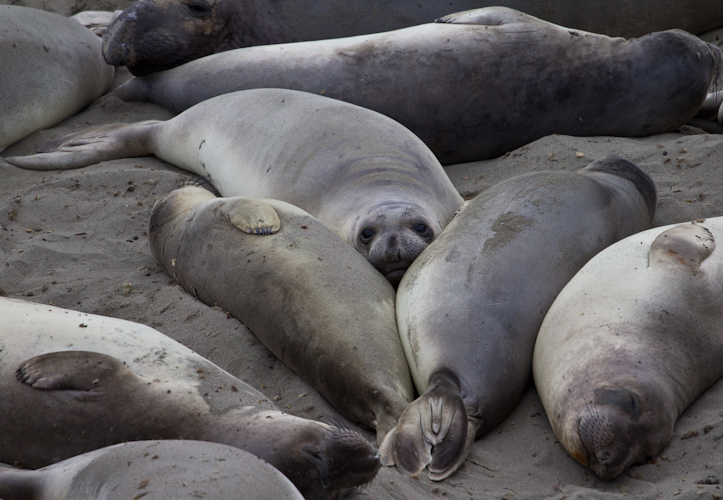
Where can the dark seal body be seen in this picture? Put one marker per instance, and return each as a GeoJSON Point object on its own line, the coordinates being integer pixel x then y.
{"type": "Point", "coordinates": [153, 35]}
{"type": "Point", "coordinates": [476, 86]}
{"type": "Point", "coordinates": [630, 342]}
{"type": "Point", "coordinates": [74, 382]}
{"type": "Point", "coordinates": [470, 306]}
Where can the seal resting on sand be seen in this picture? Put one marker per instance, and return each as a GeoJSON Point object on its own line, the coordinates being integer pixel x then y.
{"type": "Point", "coordinates": [470, 306]}
{"type": "Point", "coordinates": [630, 342]}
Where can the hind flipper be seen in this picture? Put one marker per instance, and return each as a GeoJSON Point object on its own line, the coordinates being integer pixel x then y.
{"type": "Point", "coordinates": [251, 215]}
{"type": "Point", "coordinates": [108, 142]}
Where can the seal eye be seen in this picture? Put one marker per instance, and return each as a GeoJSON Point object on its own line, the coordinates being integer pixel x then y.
{"type": "Point", "coordinates": [198, 9]}
{"type": "Point", "coordinates": [366, 235]}
{"type": "Point", "coordinates": [420, 228]}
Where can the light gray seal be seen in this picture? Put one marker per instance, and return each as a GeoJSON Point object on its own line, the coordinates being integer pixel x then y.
{"type": "Point", "coordinates": [367, 178]}
{"type": "Point", "coordinates": [52, 68]}
{"type": "Point", "coordinates": [630, 342]}
{"type": "Point", "coordinates": [470, 306]}
{"type": "Point", "coordinates": [153, 35]}
{"type": "Point", "coordinates": [310, 298]}
{"type": "Point", "coordinates": [74, 382]}
{"type": "Point", "coordinates": [477, 85]}
{"type": "Point", "coordinates": [164, 470]}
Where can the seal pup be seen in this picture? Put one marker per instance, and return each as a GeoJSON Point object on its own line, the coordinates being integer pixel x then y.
{"type": "Point", "coordinates": [364, 176]}
{"type": "Point", "coordinates": [52, 68]}
{"type": "Point", "coordinates": [470, 87]}
{"type": "Point", "coordinates": [162, 469]}
{"type": "Point", "coordinates": [74, 382]}
{"type": "Point", "coordinates": [470, 306]}
{"type": "Point", "coordinates": [153, 35]}
{"type": "Point", "coordinates": [630, 342]}
{"type": "Point", "coordinates": [313, 301]}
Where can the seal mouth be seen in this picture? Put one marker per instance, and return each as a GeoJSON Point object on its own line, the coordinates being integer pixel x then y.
{"type": "Point", "coordinates": [395, 274]}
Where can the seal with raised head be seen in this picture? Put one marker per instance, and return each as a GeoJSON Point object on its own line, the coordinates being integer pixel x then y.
{"type": "Point", "coordinates": [364, 176]}
{"type": "Point", "coordinates": [630, 342]}
{"type": "Point", "coordinates": [153, 35]}
{"type": "Point", "coordinates": [472, 87]}
{"type": "Point", "coordinates": [75, 382]}
{"type": "Point", "coordinates": [470, 306]}
{"type": "Point", "coordinates": [52, 68]}
{"type": "Point", "coordinates": [313, 301]}
{"type": "Point", "coordinates": [165, 470]}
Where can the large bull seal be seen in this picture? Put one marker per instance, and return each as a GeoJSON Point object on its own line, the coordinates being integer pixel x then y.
{"type": "Point", "coordinates": [312, 300]}
{"type": "Point", "coordinates": [170, 470]}
{"type": "Point", "coordinates": [483, 83]}
{"type": "Point", "coordinates": [153, 35]}
{"type": "Point", "coordinates": [630, 342]}
{"type": "Point", "coordinates": [470, 306]}
{"type": "Point", "coordinates": [52, 68]}
{"type": "Point", "coordinates": [367, 178]}
{"type": "Point", "coordinates": [74, 382]}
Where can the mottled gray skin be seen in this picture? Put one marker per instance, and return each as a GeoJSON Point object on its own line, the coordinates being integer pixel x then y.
{"type": "Point", "coordinates": [314, 302]}
{"type": "Point", "coordinates": [52, 68]}
{"type": "Point", "coordinates": [153, 35]}
{"type": "Point", "coordinates": [470, 306]}
{"type": "Point", "coordinates": [367, 178]}
{"type": "Point", "coordinates": [74, 382]}
{"type": "Point", "coordinates": [630, 342]}
{"type": "Point", "coordinates": [476, 86]}
{"type": "Point", "coordinates": [165, 470]}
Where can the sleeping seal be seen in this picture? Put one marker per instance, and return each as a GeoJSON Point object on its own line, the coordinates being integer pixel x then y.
{"type": "Point", "coordinates": [165, 470]}
{"type": "Point", "coordinates": [470, 306]}
{"type": "Point", "coordinates": [482, 83]}
{"type": "Point", "coordinates": [313, 301]}
{"type": "Point", "coordinates": [153, 35]}
{"type": "Point", "coordinates": [364, 176]}
{"type": "Point", "coordinates": [74, 382]}
{"type": "Point", "coordinates": [630, 342]}
{"type": "Point", "coordinates": [52, 68]}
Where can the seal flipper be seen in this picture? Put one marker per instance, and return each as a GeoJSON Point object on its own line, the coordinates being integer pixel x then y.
{"type": "Point", "coordinates": [487, 16]}
{"type": "Point", "coordinates": [433, 431]}
{"type": "Point", "coordinates": [108, 142]}
{"type": "Point", "coordinates": [686, 244]}
{"type": "Point", "coordinates": [251, 215]}
{"type": "Point", "coordinates": [69, 370]}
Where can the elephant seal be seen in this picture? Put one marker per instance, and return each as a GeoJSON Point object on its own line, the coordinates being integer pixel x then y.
{"type": "Point", "coordinates": [471, 88]}
{"type": "Point", "coordinates": [470, 306]}
{"type": "Point", "coordinates": [165, 470]}
{"type": "Point", "coordinates": [63, 372]}
{"type": "Point", "coordinates": [154, 35]}
{"type": "Point", "coordinates": [367, 178]}
{"type": "Point", "coordinates": [313, 301]}
{"type": "Point", "coordinates": [52, 68]}
{"type": "Point", "coordinates": [630, 342]}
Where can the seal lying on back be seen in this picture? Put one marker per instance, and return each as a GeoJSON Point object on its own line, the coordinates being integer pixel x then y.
{"type": "Point", "coordinates": [165, 470]}
{"type": "Point", "coordinates": [52, 68]}
{"type": "Point", "coordinates": [64, 372]}
{"type": "Point", "coordinates": [480, 84]}
{"type": "Point", "coordinates": [630, 342]}
{"type": "Point", "coordinates": [367, 178]}
{"type": "Point", "coordinates": [313, 301]}
{"type": "Point", "coordinates": [470, 306]}
{"type": "Point", "coordinates": [153, 35]}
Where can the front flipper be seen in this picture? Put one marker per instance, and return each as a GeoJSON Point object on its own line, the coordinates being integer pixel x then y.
{"type": "Point", "coordinates": [687, 244]}
{"type": "Point", "coordinates": [488, 16]}
{"type": "Point", "coordinates": [69, 370]}
{"type": "Point", "coordinates": [433, 431]}
{"type": "Point", "coordinates": [251, 215]}
{"type": "Point", "coordinates": [108, 142]}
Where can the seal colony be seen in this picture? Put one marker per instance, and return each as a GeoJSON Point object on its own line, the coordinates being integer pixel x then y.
{"type": "Point", "coordinates": [154, 35]}
{"type": "Point", "coordinates": [52, 68]}
{"type": "Point", "coordinates": [630, 342]}
{"type": "Point", "coordinates": [313, 301]}
{"type": "Point", "coordinates": [364, 176]}
{"type": "Point", "coordinates": [471, 88]}
{"type": "Point", "coordinates": [470, 306]}
{"type": "Point", "coordinates": [63, 372]}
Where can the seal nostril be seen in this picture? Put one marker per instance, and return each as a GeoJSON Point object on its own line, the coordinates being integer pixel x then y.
{"type": "Point", "coordinates": [603, 456]}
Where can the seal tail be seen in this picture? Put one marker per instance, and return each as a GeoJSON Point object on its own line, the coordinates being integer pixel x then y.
{"type": "Point", "coordinates": [433, 432]}
{"type": "Point", "coordinates": [108, 142]}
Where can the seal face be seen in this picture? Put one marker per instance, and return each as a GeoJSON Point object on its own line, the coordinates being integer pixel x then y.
{"type": "Point", "coordinates": [630, 342]}
{"type": "Point", "coordinates": [470, 306]}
